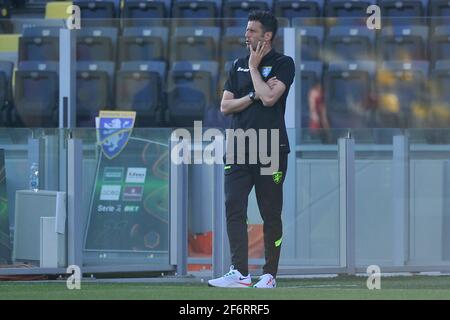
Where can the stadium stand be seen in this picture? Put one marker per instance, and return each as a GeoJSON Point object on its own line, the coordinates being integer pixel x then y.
{"type": "Point", "coordinates": [39, 44]}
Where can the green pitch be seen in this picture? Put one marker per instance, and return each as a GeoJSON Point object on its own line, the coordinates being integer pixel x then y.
{"type": "Point", "coordinates": [343, 287]}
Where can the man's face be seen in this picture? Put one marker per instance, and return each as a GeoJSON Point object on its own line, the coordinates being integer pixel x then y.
{"type": "Point", "coordinates": [254, 34]}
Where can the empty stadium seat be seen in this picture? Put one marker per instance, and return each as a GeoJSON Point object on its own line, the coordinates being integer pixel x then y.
{"type": "Point", "coordinates": [440, 44]}
{"type": "Point", "coordinates": [295, 9]}
{"type": "Point", "coordinates": [241, 9]}
{"type": "Point", "coordinates": [39, 44]}
{"type": "Point", "coordinates": [233, 44]}
{"type": "Point", "coordinates": [403, 43]}
{"type": "Point", "coordinates": [195, 13]}
{"type": "Point", "coordinates": [439, 113]}
{"type": "Point", "coordinates": [139, 87]}
{"type": "Point", "coordinates": [191, 89]}
{"type": "Point", "coordinates": [349, 43]}
{"type": "Point", "coordinates": [6, 70]}
{"type": "Point", "coordinates": [439, 10]}
{"type": "Point", "coordinates": [96, 44]}
{"type": "Point", "coordinates": [402, 93]}
{"type": "Point", "coordinates": [348, 90]}
{"type": "Point", "coordinates": [145, 13]}
{"type": "Point", "coordinates": [195, 43]}
{"type": "Point", "coordinates": [94, 90]}
{"type": "Point", "coordinates": [311, 74]}
{"type": "Point", "coordinates": [142, 44]}
{"type": "Point", "coordinates": [409, 12]}
{"type": "Point", "coordinates": [97, 13]}
{"type": "Point", "coordinates": [311, 39]}
{"type": "Point", "coordinates": [36, 94]}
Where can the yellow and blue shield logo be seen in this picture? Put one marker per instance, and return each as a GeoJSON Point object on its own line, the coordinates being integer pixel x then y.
{"type": "Point", "coordinates": [114, 130]}
{"type": "Point", "coordinates": [266, 71]}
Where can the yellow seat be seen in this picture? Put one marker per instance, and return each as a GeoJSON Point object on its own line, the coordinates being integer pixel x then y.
{"type": "Point", "coordinates": [9, 42]}
{"type": "Point", "coordinates": [57, 10]}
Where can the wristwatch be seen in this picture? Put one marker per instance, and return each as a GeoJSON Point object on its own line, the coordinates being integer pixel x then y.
{"type": "Point", "coordinates": [252, 95]}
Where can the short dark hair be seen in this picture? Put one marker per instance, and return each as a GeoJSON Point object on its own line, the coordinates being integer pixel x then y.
{"type": "Point", "coordinates": [267, 19]}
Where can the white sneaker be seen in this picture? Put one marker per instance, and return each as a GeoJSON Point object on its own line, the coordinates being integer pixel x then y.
{"type": "Point", "coordinates": [266, 281]}
{"type": "Point", "coordinates": [232, 279]}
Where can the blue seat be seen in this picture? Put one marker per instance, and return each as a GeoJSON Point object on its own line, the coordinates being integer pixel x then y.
{"type": "Point", "coordinates": [195, 43]}
{"type": "Point", "coordinates": [39, 44]}
{"type": "Point", "coordinates": [440, 11]}
{"type": "Point", "coordinates": [96, 44]}
{"type": "Point", "coordinates": [350, 43]}
{"type": "Point", "coordinates": [139, 43]}
{"type": "Point", "coordinates": [440, 44]}
{"type": "Point", "coordinates": [139, 87]}
{"type": "Point", "coordinates": [241, 9]}
{"type": "Point", "coordinates": [440, 95]}
{"type": "Point", "coordinates": [311, 39]}
{"type": "Point", "coordinates": [311, 75]}
{"type": "Point", "coordinates": [349, 12]}
{"type": "Point", "coordinates": [298, 9]}
{"type": "Point", "coordinates": [6, 71]}
{"type": "Point", "coordinates": [146, 13]}
{"type": "Point", "coordinates": [36, 94]}
{"type": "Point", "coordinates": [403, 43]}
{"type": "Point", "coordinates": [191, 90]}
{"type": "Point", "coordinates": [348, 90]}
{"type": "Point", "coordinates": [195, 13]}
{"type": "Point", "coordinates": [233, 44]}
{"type": "Point", "coordinates": [98, 13]}
{"type": "Point", "coordinates": [406, 12]}
{"type": "Point", "coordinates": [401, 88]}
{"type": "Point", "coordinates": [94, 90]}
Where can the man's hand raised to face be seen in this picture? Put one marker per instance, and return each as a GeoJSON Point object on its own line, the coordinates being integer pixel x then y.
{"type": "Point", "coordinates": [256, 55]}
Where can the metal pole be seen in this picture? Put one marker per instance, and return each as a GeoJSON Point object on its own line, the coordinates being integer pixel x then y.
{"type": "Point", "coordinates": [178, 215]}
{"type": "Point", "coordinates": [74, 204]}
{"type": "Point", "coordinates": [347, 203]}
{"type": "Point", "coordinates": [400, 183]}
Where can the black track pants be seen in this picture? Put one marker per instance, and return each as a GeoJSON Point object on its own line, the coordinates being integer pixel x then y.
{"type": "Point", "coordinates": [239, 181]}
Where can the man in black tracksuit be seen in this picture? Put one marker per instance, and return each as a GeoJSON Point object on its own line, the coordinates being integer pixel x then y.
{"type": "Point", "coordinates": [255, 95]}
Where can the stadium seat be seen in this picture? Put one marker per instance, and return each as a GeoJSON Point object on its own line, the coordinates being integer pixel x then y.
{"type": "Point", "coordinates": [145, 13]}
{"type": "Point", "coordinates": [406, 12]}
{"type": "Point", "coordinates": [311, 39]}
{"type": "Point", "coordinates": [348, 90]}
{"type": "Point", "coordinates": [143, 44]}
{"type": "Point", "coordinates": [139, 87]}
{"type": "Point", "coordinates": [439, 10]}
{"type": "Point", "coordinates": [57, 9]}
{"type": "Point", "coordinates": [311, 74]}
{"type": "Point", "coordinates": [402, 93]}
{"type": "Point", "coordinates": [96, 44]}
{"type": "Point", "coordinates": [97, 13]}
{"type": "Point", "coordinates": [349, 43]}
{"type": "Point", "coordinates": [191, 89]}
{"type": "Point", "coordinates": [298, 9]}
{"type": "Point", "coordinates": [233, 44]}
{"type": "Point", "coordinates": [94, 90]}
{"type": "Point", "coordinates": [439, 114]}
{"type": "Point", "coordinates": [195, 13]}
{"type": "Point", "coordinates": [195, 43]}
{"type": "Point", "coordinates": [440, 44]}
{"type": "Point", "coordinates": [403, 43]}
{"type": "Point", "coordinates": [241, 9]}
{"type": "Point", "coordinates": [6, 71]}
{"type": "Point", "coordinates": [348, 12]}
{"type": "Point", "coordinates": [9, 47]}
{"type": "Point", "coordinates": [39, 44]}
{"type": "Point", "coordinates": [36, 94]}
